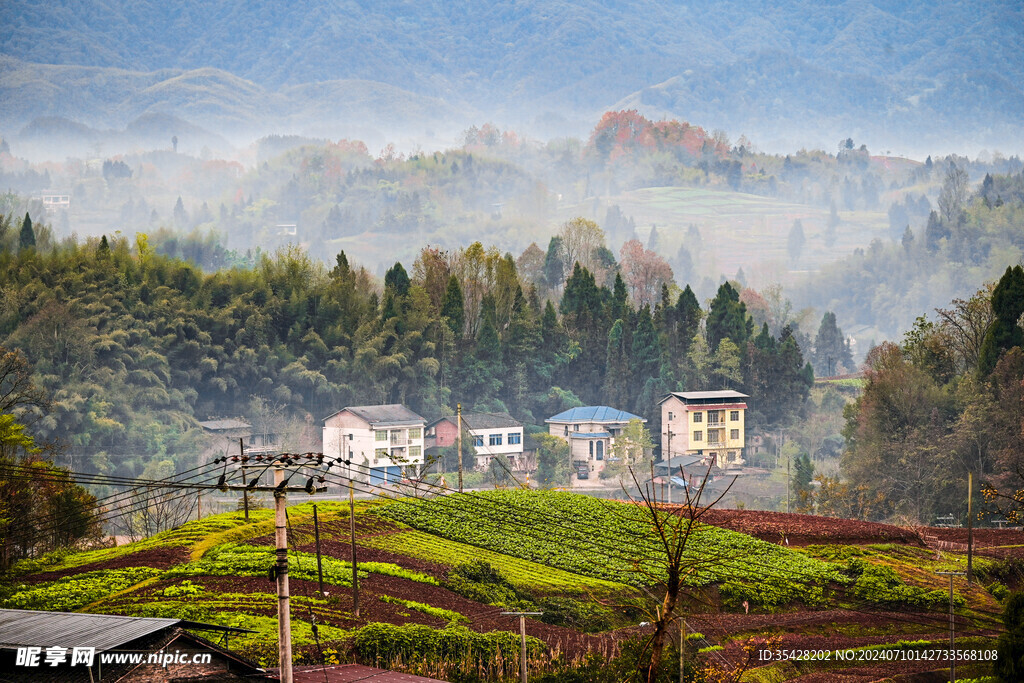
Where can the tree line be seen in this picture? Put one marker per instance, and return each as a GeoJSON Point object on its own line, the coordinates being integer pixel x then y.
{"type": "Point", "coordinates": [133, 347]}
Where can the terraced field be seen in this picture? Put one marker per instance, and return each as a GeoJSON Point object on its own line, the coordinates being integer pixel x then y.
{"type": "Point", "coordinates": [580, 560]}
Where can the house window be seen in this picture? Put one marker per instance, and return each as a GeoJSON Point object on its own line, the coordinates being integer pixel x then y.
{"type": "Point", "coordinates": [591, 449]}
{"type": "Point", "coordinates": [671, 416]}
{"type": "Point", "coordinates": [514, 438]}
{"type": "Point", "coordinates": [600, 450]}
{"type": "Point", "coordinates": [414, 433]}
{"type": "Point", "coordinates": [567, 430]}
{"type": "Point", "coordinates": [380, 453]}
{"type": "Point", "coordinates": [734, 416]}
{"type": "Point", "coordinates": [415, 451]}
{"type": "Point", "coordinates": [576, 427]}
{"type": "Point", "coordinates": [380, 436]}
{"type": "Point", "coordinates": [732, 456]}
{"type": "Point", "coordinates": [698, 435]}
{"type": "Point", "coordinates": [698, 417]}
{"type": "Point", "coordinates": [495, 439]}
{"type": "Point", "coordinates": [734, 433]}
{"type": "Point", "coordinates": [716, 416]}
{"type": "Point", "coordinates": [478, 441]}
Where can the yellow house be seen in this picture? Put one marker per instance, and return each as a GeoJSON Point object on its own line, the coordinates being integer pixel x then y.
{"type": "Point", "coordinates": [708, 423]}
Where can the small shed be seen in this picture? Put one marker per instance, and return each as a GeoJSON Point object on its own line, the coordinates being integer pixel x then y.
{"type": "Point", "coordinates": [70, 647]}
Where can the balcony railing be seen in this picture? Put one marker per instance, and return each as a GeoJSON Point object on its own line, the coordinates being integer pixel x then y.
{"type": "Point", "coordinates": [399, 441]}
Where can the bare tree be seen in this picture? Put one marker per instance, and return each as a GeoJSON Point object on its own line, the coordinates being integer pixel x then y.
{"type": "Point", "coordinates": [673, 527]}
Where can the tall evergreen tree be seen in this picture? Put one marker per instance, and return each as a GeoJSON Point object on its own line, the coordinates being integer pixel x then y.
{"type": "Point", "coordinates": [554, 272]}
{"type": "Point", "coordinates": [27, 237]}
{"type": "Point", "coordinates": [831, 350]}
{"type": "Point", "coordinates": [617, 378]}
{"type": "Point", "coordinates": [728, 318]}
{"type": "Point", "coordinates": [453, 307]}
{"type": "Point", "coordinates": [1005, 333]}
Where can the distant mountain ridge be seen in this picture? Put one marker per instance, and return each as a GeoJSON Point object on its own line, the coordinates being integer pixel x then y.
{"type": "Point", "coordinates": [407, 60]}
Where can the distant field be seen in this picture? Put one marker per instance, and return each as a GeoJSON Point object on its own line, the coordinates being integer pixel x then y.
{"type": "Point", "coordinates": [742, 230]}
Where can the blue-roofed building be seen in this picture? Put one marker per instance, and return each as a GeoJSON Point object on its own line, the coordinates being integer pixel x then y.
{"type": "Point", "coordinates": [591, 432]}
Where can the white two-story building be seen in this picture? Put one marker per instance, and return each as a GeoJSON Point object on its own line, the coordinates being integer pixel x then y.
{"type": "Point", "coordinates": [490, 434]}
{"type": "Point", "coordinates": [384, 443]}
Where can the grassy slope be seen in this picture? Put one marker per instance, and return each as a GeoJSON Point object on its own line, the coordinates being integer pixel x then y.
{"type": "Point", "coordinates": [739, 229]}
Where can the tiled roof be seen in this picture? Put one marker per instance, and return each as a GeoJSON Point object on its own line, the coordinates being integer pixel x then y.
{"type": "Point", "coordinates": [219, 425]}
{"type": "Point", "coordinates": [390, 413]}
{"type": "Point", "coordinates": [482, 420]}
{"type": "Point", "coordinates": [594, 414]}
{"type": "Point", "coordinates": [704, 395]}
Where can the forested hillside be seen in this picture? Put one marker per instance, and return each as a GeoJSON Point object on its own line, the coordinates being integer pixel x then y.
{"type": "Point", "coordinates": [133, 347]}
{"type": "Point", "coordinates": [942, 403]}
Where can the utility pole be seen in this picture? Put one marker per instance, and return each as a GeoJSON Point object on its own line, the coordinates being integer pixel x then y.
{"type": "Point", "coordinates": [970, 528]}
{"type": "Point", "coordinates": [245, 490]}
{"type": "Point", "coordinates": [669, 463]}
{"type": "Point", "coordinates": [284, 615]}
{"type": "Point", "coordinates": [522, 639]}
{"type": "Point", "coordinates": [319, 564]}
{"type": "Point", "coordinates": [352, 534]}
{"type": "Point", "coordinates": [458, 409]}
{"type": "Point", "coordinates": [952, 627]}
{"type": "Point", "coordinates": [279, 571]}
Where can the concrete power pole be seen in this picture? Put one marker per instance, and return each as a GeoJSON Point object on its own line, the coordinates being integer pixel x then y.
{"type": "Point", "coordinates": [284, 615]}
{"type": "Point", "coordinates": [279, 572]}
{"type": "Point", "coordinates": [522, 639]}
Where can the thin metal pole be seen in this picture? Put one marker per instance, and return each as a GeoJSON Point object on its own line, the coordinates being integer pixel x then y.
{"type": "Point", "coordinates": [952, 626]}
{"type": "Point", "coordinates": [952, 635]}
{"type": "Point", "coordinates": [352, 534]}
{"type": "Point", "coordinates": [458, 407]}
{"type": "Point", "coordinates": [284, 617]}
{"type": "Point", "coordinates": [669, 463]}
{"type": "Point", "coordinates": [319, 564]}
{"type": "Point", "coordinates": [682, 650]}
{"type": "Point", "coordinates": [970, 528]}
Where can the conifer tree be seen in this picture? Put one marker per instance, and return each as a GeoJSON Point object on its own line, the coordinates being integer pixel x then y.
{"type": "Point", "coordinates": [27, 237]}
{"type": "Point", "coordinates": [453, 307]}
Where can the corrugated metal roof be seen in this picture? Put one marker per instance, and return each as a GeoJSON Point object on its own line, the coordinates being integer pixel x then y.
{"type": "Point", "coordinates": [594, 414]}
{"type": "Point", "coordinates": [388, 414]}
{"type": "Point", "coordinates": [31, 628]}
{"type": "Point", "coordinates": [28, 628]}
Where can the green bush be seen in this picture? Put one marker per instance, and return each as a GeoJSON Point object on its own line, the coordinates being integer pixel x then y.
{"type": "Point", "coordinates": [379, 644]}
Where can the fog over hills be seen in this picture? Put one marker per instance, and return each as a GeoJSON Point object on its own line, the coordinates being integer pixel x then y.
{"type": "Point", "coordinates": [882, 71]}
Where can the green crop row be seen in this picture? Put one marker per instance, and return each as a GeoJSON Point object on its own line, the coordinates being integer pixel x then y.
{"type": "Point", "coordinates": [522, 573]}
{"type": "Point", "coordinates": [448, 615]}
{"type": "Point", "coordinates": [73, 592]}
{"type": "Point", "coordinates": [616, 542]}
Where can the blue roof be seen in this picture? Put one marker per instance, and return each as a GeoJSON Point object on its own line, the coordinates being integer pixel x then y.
{"type": "Point", "coordinates": [589, 435]}
{"type": "Point", "coordinates": [594, 414]}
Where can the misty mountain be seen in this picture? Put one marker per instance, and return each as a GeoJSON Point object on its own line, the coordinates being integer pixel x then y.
{"type": "Point", "coordinates": [738, 63]}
